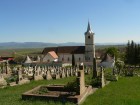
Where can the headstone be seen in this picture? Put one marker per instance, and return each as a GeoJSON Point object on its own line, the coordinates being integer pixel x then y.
{"type": "Point", "coordinates": [67, 72]}
{"type": "Point", "coordinates": [48, 75]}
{"type": "Point", "coordinates": [37, 73]}
{"type": "Point", "coordinates": [102, 78]}
{"type": "Point", "coordinates": [63, 75]}
{"type": "Point", "coordinates": [20, 80]}
{"type": "Point", "coordinates": [7, 68]}
{"type": "Point", "coordinates": [3, 82]}
{"type": "Point", "coordinates": [57, 76]}
{"type": "Point", "coordinates": [81, 80]}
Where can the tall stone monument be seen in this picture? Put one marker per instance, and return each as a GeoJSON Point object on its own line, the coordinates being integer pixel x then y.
{"type": "Point", "coordinates": [81, 80]}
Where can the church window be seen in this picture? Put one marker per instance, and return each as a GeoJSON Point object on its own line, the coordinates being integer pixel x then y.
{"type": "Point", "coordinates": [89, 37]}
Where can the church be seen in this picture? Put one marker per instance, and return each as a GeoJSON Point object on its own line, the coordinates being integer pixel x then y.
{"type": "Point", "coordinates": [65, 54]}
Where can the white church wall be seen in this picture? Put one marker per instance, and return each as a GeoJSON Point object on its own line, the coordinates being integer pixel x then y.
{"type": "Point", "coordinates": [65, 58]}
{"type": "Point", "coordinates": [107, 64]}
{"type": "Point", "coordinates": [79, 58]}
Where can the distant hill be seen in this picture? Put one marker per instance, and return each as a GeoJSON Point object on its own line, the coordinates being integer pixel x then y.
{"type": "Point", "coordinates": [15, 45]}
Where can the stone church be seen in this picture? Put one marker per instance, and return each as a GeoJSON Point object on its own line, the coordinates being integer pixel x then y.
{"type": "Point", "coordinates": [64, 54]}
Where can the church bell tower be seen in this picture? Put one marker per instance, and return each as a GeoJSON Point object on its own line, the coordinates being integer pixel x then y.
{"type": "Point", "coordinates": [89, 45]}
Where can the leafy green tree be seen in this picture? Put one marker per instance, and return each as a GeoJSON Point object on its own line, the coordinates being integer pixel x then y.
{"type": "Point", "coordinates": [113, 51]}
{"type": "Point", "coordinates": [119, 65]}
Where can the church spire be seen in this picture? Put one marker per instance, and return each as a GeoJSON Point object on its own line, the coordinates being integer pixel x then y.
{"type": "Point", "coordinates": [88, 28]}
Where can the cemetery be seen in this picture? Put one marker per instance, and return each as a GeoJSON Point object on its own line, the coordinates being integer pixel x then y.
{"type": "Point", "coordinates": [73, 75]}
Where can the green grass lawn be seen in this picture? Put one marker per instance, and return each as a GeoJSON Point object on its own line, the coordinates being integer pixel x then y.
{"type": "Point", "coordinates": [12, 95]}
{"type": "Point", "coordinates": [126, 91]}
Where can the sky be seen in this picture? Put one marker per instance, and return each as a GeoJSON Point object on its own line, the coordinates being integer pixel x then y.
{"type": "Point", "coordinates": [60, 21]}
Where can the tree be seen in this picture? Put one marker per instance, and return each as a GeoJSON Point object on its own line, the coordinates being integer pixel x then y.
{"type": "Point", "coordinates": [132, 54]}
{"type": "Point", "coordinates": [73, 60]}
{"type": "Point", "coordinates": [119, 64]}
{"type": "Point", "coordinates": [113, 52]}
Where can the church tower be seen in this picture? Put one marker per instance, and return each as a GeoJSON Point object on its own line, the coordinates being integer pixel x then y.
{"type": "Point", "coordinates": [89, 45]}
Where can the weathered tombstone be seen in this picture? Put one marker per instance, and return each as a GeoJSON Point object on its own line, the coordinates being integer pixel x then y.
{"type": "Point", "coordinates": [7, 68]}
{"type": "Point", "coordinates": [20, 80]}
{"type": "Point", "coordinates": [67, 73]}
{"type": "Point", "coordinates": [48, 75]}
{"type": "Point", "coordinates": [19, 76]}
{"type": "Point", "coordinates": [3, 82]}
{"type": "Point", "coordinates": [81, 80]}
{"type": "Point", "coordinates": [63, 75]}
{"type": "Point", "coordinates": [30, 71]}
{"type": "Point", "coordinates": [57, 76]}
{"type": "Point", "coordinates": [102, 77]}
{"type": "Point", "coordinates": [37, 73]}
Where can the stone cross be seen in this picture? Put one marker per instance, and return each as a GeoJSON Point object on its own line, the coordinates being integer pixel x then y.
{"type": "Point", "coordinates": [81, 80]}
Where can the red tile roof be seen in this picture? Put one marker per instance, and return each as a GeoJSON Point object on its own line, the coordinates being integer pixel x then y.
{"type": "Point", "coordinates": [53, 54]}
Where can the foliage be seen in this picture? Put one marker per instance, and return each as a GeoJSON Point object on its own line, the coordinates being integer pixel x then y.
{"type": "Point", "coordinates": [19, 59]}
{"type": "Point", "coordinates": [71, 86]}
{"type": "Point", "coordinates": [119, 65]}
{"type": "Point", "coordinates": [11, 79]}
{"type": "Point", "coordinates": [113, 51]}
{"type": "Point", "coordinates": [132, 54]}
{"type": "Point", "coordinates": [42, 90]}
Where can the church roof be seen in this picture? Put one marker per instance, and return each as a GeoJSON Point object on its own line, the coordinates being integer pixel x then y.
{"type": "Point", "coordinates": [28, 59]}
{"type": "Point", "coordinates": [53, 54]}
{"type": "Point", "coordinates": [65, 49]}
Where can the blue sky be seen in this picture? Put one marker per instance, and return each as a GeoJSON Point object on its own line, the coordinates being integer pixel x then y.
{"type": "Point", "coordinates": [59, 21]}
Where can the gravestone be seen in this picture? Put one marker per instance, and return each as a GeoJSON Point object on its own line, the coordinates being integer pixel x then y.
{"type": "Point", "coordinates": [3, 82]}
{"type": "Point", "coordinates": [20, 80]}
{"type": "Point", "coordinates": [37, 73]}
{"type": "Point", "coordinates": [102, 77]}
{"type": "Point", "coordinates": [81, 80]}
{"type": "Point", "coordinates": [48, 75]}
{"type": "Point", "coordinates": [63, 75]}
{"type": "Point", "coordinates": [67, 72]}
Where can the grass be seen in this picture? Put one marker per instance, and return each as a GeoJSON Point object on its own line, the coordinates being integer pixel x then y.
{"type": "Point", "coordinates": [12, 95]}
{"type": "Point", "coordinates": [19, 52]}
{"type": "Point", "coordinates": [124, 92]}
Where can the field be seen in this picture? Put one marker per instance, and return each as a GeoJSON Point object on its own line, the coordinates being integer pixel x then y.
{"type": "Point", "coordinates": [20, 52]}
{"type": "Point", "coordinates": [124, 92]}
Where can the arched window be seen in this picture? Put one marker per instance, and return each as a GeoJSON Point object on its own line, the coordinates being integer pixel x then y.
{"type": "Point", "coordinates": [48, 60]}
{"type": "Point", "coordinates": [88, 37]}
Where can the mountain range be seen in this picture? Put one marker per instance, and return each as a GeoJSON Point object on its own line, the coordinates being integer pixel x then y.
{"type": "Point", "coordinates": [13, 45]}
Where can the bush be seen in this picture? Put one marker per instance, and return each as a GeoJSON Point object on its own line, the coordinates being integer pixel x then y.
{"type": "Point", "coordinates": [71, 86]}
{"type": "Point", "coordinates": [12, 79]}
